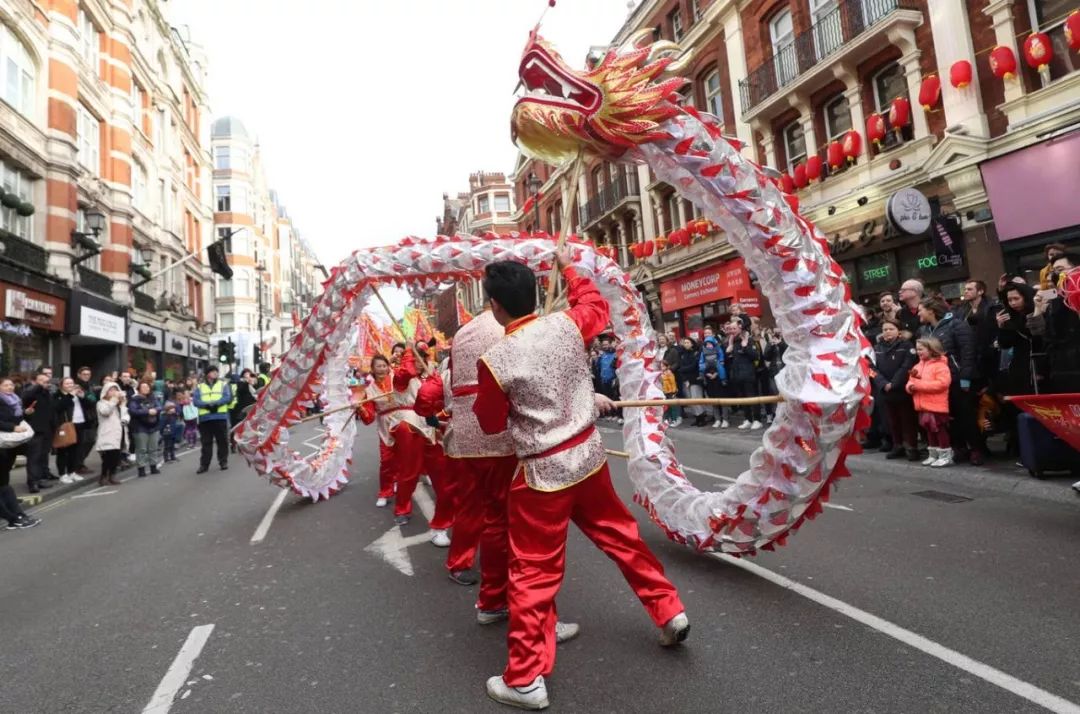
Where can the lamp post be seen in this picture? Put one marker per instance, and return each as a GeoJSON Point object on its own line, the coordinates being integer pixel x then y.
{"type": "Point", "coordinates": [535, 184]}
{"type": "Point", "coordinates": [259, 268]}
{"type": "Point", "coordinates": [95, 221]}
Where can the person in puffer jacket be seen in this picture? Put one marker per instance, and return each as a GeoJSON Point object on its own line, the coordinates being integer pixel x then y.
{"type": "Point", "coordinates": [714, 377]}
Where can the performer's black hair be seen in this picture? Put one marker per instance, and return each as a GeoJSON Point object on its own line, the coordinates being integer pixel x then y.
{"type": "Point", "coordinates": [512, 285]}
{"type": "Point", "coordinates": [379, 358]}
{"type": "Point", "coordinates": [404, 347]}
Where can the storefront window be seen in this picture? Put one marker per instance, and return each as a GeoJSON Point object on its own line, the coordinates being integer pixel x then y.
{"type": "Point", "coordinates": [921, 262]}
{"type": "Point", "coordinates": [24, 350]}
{"type": "Point", "coordinates": [875, 273]}
{"type": "Point", "coordinates": [141, 359]}
{"type": "Point", "coordinates": [175, 367]}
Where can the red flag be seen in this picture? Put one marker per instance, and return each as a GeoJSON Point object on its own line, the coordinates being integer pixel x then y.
{"type": "Point", "coordinates": [1060, 413]}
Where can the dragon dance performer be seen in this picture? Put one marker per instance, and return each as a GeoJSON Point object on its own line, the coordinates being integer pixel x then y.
{"type": "Point", "coordinates": [535, 384]}
{"type": "Point", "coordinates": [402, 433]}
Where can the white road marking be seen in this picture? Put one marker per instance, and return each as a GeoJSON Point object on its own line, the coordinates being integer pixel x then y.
{"type": "Point", "coordinates": [983, 671]}
{"type": "Point", "coordinates": [692, 470]}
{"type": "Point", "coordinates": [170, 684]}
{"type": "Point", "coordinates": [394, 547]}
{"type": "Point", "coordinates": [95, 492]}
{"type": "Point", "coordinates": [264, 525]}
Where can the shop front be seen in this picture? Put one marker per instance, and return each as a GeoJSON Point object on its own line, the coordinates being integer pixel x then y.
{"type": "Point", "coordinates": [1033, 196]}
{"type": "Point", "coordinates": [177, 350]}
{"type": "Point", "coordinates": [912, 241]}
{"type": "Point", "coordinates": [199, 358]}
{"type": "Point", "coordinates": [98, 333]}
{"type": "Point", "coordinates": [31, 330]}
{"type": "Point", "coordinates": [703, 298]}
{"type": "Point", "coordinates": [145, 345]}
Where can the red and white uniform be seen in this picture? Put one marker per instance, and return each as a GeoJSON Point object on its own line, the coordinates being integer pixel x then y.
{"type": "Point", "coordinates": [402, 433]}
{"type": "Point", "coordinates": [482, 465]}
{"type": "Point", "coordinates": [536, 385]}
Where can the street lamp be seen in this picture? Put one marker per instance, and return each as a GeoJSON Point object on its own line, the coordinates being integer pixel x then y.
{"type": "Point", "coordinates": [140, 264]}
{"type": "Point", "coordinates": [95, 221]}
{"type": "Point", "coordinates": [535, 184]}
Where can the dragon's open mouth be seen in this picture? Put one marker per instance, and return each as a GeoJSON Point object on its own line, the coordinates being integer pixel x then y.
{"type": "Point", "coordinates": [546, 83]}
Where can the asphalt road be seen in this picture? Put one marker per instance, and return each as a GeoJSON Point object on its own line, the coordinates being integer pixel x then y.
{"type": "Point", "coordinates": [894, 603]}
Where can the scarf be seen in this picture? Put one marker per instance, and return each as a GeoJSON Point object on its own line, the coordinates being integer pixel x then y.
{"type": "Point", "coordinates": [13, 401]}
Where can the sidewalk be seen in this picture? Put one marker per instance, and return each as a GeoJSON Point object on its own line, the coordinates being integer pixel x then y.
{"type": "Point", "coordinates": [93, 462]}
{"type": "Point", "coordinates": [999, 474]}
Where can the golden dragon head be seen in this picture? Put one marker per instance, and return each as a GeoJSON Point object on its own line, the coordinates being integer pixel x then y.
{"type": "Point", "coordinates": [619, 103]}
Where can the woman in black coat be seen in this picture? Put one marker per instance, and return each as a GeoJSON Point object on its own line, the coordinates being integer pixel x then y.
{"type": "Point", "coordinates": [1022, 368]}
{"type": "Point", "coordinates": [689, 376]}
{"type": "Point", "coordinates": [893, 359]}
{"type": "Point", "coordinates": [71, 405]}
{"type": "Point", "coordinates": [11, 418]}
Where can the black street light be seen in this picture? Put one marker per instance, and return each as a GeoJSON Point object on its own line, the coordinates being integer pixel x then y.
{"type": "Point", "coordinates": [95, 221]}
{"type": "Point", "coordinates": [535, 184]}
{"type": "Point", "coordinates": [141, 266]}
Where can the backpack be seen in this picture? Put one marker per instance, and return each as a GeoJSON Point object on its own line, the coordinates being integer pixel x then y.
{"type": "Point", "coordinates": [190, 412]}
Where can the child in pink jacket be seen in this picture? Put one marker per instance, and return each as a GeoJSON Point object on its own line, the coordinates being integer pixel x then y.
{"type": "Point", "coordinates": [928, 383]}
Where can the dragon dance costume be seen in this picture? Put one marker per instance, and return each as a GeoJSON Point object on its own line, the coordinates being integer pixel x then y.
{"type": "Point", "coordinates": [535, 385]}
{"type": "Point", "coordinates": [481, 465]}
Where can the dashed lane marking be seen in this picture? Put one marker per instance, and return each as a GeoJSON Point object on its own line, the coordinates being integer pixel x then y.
{"type": "Point", "coordinates": [268, 518]}
{"type": "Point", "coordinates": [162, 700]}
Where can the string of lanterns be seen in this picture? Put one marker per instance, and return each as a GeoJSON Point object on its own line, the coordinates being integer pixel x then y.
{"type": "Point", "coordinates": [1037, 49]}
{"type": "Point", "coordinates": [694, 230]}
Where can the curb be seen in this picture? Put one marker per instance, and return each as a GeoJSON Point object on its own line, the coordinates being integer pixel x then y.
{"type": "Point", "coordinates": [1055, 489]}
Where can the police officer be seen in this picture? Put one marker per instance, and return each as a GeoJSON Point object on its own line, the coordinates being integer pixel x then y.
{"type": "Point", "coordinates": [213, 397]}
{"type": "Point", "coordinates": [264, 375]}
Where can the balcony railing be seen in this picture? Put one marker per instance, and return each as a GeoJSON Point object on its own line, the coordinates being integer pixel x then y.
{"type": "Point", "coordinates": [847, 21]}
{"type": "Point", "coordinates": [95, 282]}
{"type": "Point", "coordinates": [609, 197]}
{"type": "Point", "coordinates": [24, 253]}
{"type": "Point", "coordinates": [144, 302]}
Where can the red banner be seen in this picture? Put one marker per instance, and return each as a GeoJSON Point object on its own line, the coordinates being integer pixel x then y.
{"type": "Point", "coordinates": [1060, 413]}
{"type": "Point", "coordinates": [717, 282]}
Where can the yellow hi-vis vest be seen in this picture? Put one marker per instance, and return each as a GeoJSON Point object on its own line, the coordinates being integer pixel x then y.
{"type": "Point", "coordinates": [212, 394]}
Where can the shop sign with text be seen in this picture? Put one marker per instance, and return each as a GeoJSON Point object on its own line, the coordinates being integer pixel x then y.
{"type": "Point", "coordinates": [144, 336]}
{"type": "Point", "coordinates": [34, 308]}
{"type": "Point", "coordinates": [176, 344]}
{"type": "Point", "coordinates": [717, 282]}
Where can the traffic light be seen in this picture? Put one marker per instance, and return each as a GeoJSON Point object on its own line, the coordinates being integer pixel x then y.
{"type": "Point", "coordinates": [226, 352]}
{"type": "Point", "coordinates": [258, 355]}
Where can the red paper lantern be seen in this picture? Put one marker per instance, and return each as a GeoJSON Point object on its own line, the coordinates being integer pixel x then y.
{"type": "Point", "coordinates": [680, 236]}
{"type": "Point", "coordinates": [787, 184]}
{"type": "Point", "coordinates": [960, 74]}
{"type": "Point", "coordinates": [636, 250]}
{"type": "Point", "coordinates": [875, 129]}
{"type": "Point", "coordinates": [835, 154]}
{"type": "Point", "coordinates": [813, 168]}
{"type": "Point", "coordinates": [1003, 62]}
{"type": "Point", "coordinates": [852, 145]}
{"type": "Point", "coordinates": [800, 176]}
{"type": "Point", "coordinates": [648, 247]}
{"type": "Point", "coordinates": [1072, 30]}
{"type": "Point", "coordinates": [930, 91]}
{"type": "Point", "coordinates": [661, 242]}
{"type": "Point", "coordinates": [1038, 51]}
{"type": "Point", "coordinates": [899, 114]}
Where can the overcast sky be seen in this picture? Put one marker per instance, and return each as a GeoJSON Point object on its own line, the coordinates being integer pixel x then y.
{"type": "Point", "coordinates": [368, 110]}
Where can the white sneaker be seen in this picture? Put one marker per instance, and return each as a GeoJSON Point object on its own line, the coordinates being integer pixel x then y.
{"type": "Point", "coordinates": [929, 460]}
{"type": "Point", "coordinates": [945, 458]}
{"type": "Point", "coordinates": [675, 631]}
{"type": "Point", "coordinates": [131, 458]}
{"type": "Point", "coordinates": [724, 424]}
{"type": "Point", "coordinates": [716, 424]}
{"type": "Point", "coordinates": [532, 696]}
{"type": "Point", "coordinates": [75, 478]}
{"type": "Point", "coordinates": [66, 478]}
{"type": "Point", "coordinates": [677, 422]}
{"type": "Point", "coordinates": [756, 424]}
{"type": "Point", "coordinates": [566, 631]}
{"type": "Point", "coordinates": [490, 617]}
{"type": "Point", "coordinates": [744, 425]}
{"type": "Point", "coordinates": [381, 502]}
{"type": "Point", "coordinates": [1076, 486]}
{"type": "Point", "coordinates": [440, 539]}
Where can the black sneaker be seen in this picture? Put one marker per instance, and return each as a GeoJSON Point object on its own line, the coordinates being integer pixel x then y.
{"type": "Point", "coordinates": [401, 520]}
{"type": "Point", "coordinates": [23, 521]}
{"type": "Point", "coordinates": [464, 577]}
{"type": "Point", "coordinates": [203, 469]}
{"type": "Point", "coordinates": [224, 467]}
{"type": "Point", "coordinates": [154, 471]}
{"type": "Point", "coordinates": [44, 484]}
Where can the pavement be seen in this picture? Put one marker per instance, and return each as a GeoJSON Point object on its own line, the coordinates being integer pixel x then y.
{"type": "Point", "coordinates": [158, 596]}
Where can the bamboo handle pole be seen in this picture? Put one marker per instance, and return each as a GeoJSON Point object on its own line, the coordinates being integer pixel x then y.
{"type": "Point", "coordinates": [568, 207]}
{"type": "Point", "coordinates": [320, 415]}
{"type": "Point", "coordinates": [421, 363]}
{"type": "Point", "coordinates": [717, 402]}
{"type": "Point", "coordinates": [613, 452]}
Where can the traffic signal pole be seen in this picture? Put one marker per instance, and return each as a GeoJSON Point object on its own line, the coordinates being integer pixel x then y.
{"type": "Point", "coordinates": [185, 259]}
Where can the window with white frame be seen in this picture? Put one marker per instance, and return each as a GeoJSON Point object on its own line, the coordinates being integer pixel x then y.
{"type": "Point", "coordinates": [837, 117]}
{"type": "Point", "coordinates": [89, 139]}
{"type": "Point", "coordinates": [175, 285]}
{"type": "Point", "coordinates": [241, 283]}
{"type": "Point", "coordinates": [782, 36]}
{"type": "Point", "coordinates": [224, 287]}
{"type": "Point", "coordinates": [17, 184]}
{"type": "Point", "coordinates": [224, 198]}
{"type": "Point", "coordinates": [19, 72]}
{"type": "Point", "coordinates": [714, 99]}
{"type": "Point", "coordinates": [794, 143]}
{"type": "Point", "coordinates": [889, 83]}
{"type": "Point", "coordinates": [243, 321]}
{"type": "Point", "coordinates": [695, 10]}
{"type": "Point", "coordinates": [225, 321]}
{"type": "Point", "coordinates": [136, 106]}
{"type": "Point", "coordinates": [675, 18]}
{"type": "Point", "coordinates": [222, 158]}
{"type": "Point", "coordinates": [89, 41]}
{"type": "Point", "coordinates": [502, 203]}
{"type": "Point", "coordinates": [138, 186]}
{"type": "Point", "coordinates": [482, 204]}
